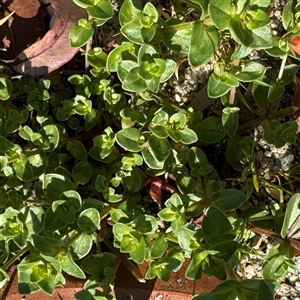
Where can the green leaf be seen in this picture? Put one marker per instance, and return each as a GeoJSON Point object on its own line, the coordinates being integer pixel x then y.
{"type": "Point", "coordinates": [240, 32]}
{"type": "Point", "coordinates": [228, 199]}
{"type": "Point", "coordinates": [151, 161]}
{"type": "Point", "coordinates": [226, 249]}
{"type": "Point", "coordinates": [3, 162]}
{"type": "Point", "coordinates": [82, 172]}
{"type": "Point", "coordinates": [133, 31]}
{"type": "Point", "coordinates": [133, 82]}
{"type": "Point", "coordinates": [23, 168]}
{"type": "Point", "coordinates": [153, 84]}
{"type": "Point", "coordinates": [196, 157]}
{"type": "Point", "coordinates": [5, 88]}
{"type": "Point", "coordinates": [73, 199]}
{"type": "Point", "coordinates": [263, 289]}
{"type": "Point", "coordinates": [216, 87]}
{"type": "Point", "coordinates": [125, 52]}
{"type": "Point", "coordinates": [54, 185]}
{"type": "Point", "coordinates": [188, 136]}
{"type": "Point", "coordinates": [260, 3]}
{"type": "Point", "coordinates": [230, 120]}
{"type": "Point", "coordinates": [82, 244]}
{"type": "Point", "coordinates": [175, 39]}
{"type": "Point", "coordinates": [276, 90]}
{"type": "Point", "coordinates": [133, 181]}
{"type": "Point", "coordinates": [260, 95]}
{"type": "Point", "coordinates": [80, 33]}
{"type": "Point", "coordinates": [204, 43]}
{"type": "Point", "coordinates": [220, 13]}
{"type": "Point", "coordinates": [37, 272]}
{"type": "Point", "coordinates": [215, 224]}
{"type": "Point", "coordinates": [188, 238]}
{"type": "Point", "coordinates": [8, 148]}
{"type": "Point", "coordinates": [275, 50]}
{"type": "Point", "coordinates": [159, 246]}
{"type": "Point", "coordinates": [46, 245]}
{"type": "Point", "coordinates": [194, 269]}
{"type": "Point", "coordinates": [102, 9]}
{"type": "Point", "coordinates": [4, 278]}
{"type": "Point", "coordinates": [97, 58]}
{"type": "Point", "coordinates": [291, 215]}
{"type": "Point", "coordinates": [92, 294]}
{"type": "Point", "coordinates": [53, 220]}
{"type": "Point", "coordinates": [288, 15]}
{"type": "Point", "coordinates": [77, 150]}
{"type": "Point", "coordinates": [168, 214]}
{"type": "Point", "coordinates": [256, 19]}
{"type": "Point", "coordinates": [185, 183]}
{"type": "Point", "coordinates": [277, 261]}
{"type": "Point", "coordinates": [138, 254]}
{"type": "Point", "coordinates": [146, 224]}
{"type": "Point", "coordinates": [89, 220]}
{"type": "Point", "coordinates": [84, 3]}
{"type": "Point", "coordinates": [159, 148]}
{"type": "Point", "coordinates": [50, 134]}
{"type": "Point", "coordinates": [130, 139]}
{"type": "Point", "coordinates": [170, 68]}
{"type": "Point", "coordinates": [125, 67]}
{"type": "Point", "coordinates": [210, 130]}
{"type": "Point", "coordinates": [232, 289]}
{"type": "Point", "coordinates": [95, 264]}
{"type": "Point", "coordinates": [162, 267]}
{"type": "Point", "coordinates": [289, 73]}
{"type": "Point", "coordinates": [69, 266]}
{"type": "Point", "coordinates": [120, 230]}
{"type": "Point", "coordinates": [262, 38]}
{"type": "Point", "coordinates": [240, 52]}
{"type": "Point", "coordinates": [130, 10]}
{"type": "Point", "coordinates": [251, 71]}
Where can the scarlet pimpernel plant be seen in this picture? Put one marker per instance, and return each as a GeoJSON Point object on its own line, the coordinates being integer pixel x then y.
{"type": "Point", "coordinates": [79, 155]}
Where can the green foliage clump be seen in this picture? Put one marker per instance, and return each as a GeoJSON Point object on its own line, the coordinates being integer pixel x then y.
{"type": "Point", "coordinates": [77, 155]}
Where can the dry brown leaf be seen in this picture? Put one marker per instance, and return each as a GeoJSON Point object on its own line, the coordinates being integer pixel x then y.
{"type": "Point", "coordinates": [54, 50]}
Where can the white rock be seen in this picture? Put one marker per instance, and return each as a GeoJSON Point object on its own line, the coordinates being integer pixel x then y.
{"type": "Point", "coordinates": [267, 154]}
{"type": "Point", "coordinates": [250, 270]}
{"type": "Point", "coordinates": [177, 98]}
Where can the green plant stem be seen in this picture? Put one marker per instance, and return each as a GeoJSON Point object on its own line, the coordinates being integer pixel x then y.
{"type": "Point", "coordinates": [3, 181]}
{"type": "Point", "coordinates": [266, 183]}
{"type": "Point", "coordinates": [31, 153]}
{"type": "Point", "coordinates": [230, 272]}
{"type": "Point", "coordinates": [171, 238]}
{"type": "Point", "coordinates": [205, 197]}
{"type": "Point", "coordinates": [276, 115]}
{"type": "Point", "coordinates": [68, 243]}
{"type": "Point", "coordinates": [177, 27]}
{"type": "Point", "coordinates": [97, 242]}
{"type": "Point", "coordinates": [87, 135]}
{"type": "Point", "coordinates": [264, 218]}
{"type": "Point", "coordinates": [39, 202]}
{"type": "Point", "coordinates": [15, 257]}
{"type": "Point", "coordinates": [106, 287]}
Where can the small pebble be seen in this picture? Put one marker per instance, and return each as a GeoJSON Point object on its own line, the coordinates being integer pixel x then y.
{"type": "Point", "coordinates": [250, 270]}
{"type": "Point", "coordinates": [177, 98]}
{"type": "Point", "coordinates": [268, 154]}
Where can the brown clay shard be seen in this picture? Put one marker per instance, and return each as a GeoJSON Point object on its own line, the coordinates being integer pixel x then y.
{"type": "Point", "coordinates": [54, 49]}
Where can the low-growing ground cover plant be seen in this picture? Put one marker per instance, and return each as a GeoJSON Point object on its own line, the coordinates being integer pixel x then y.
{"type": "Point", "coordinates": [77, 155]}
